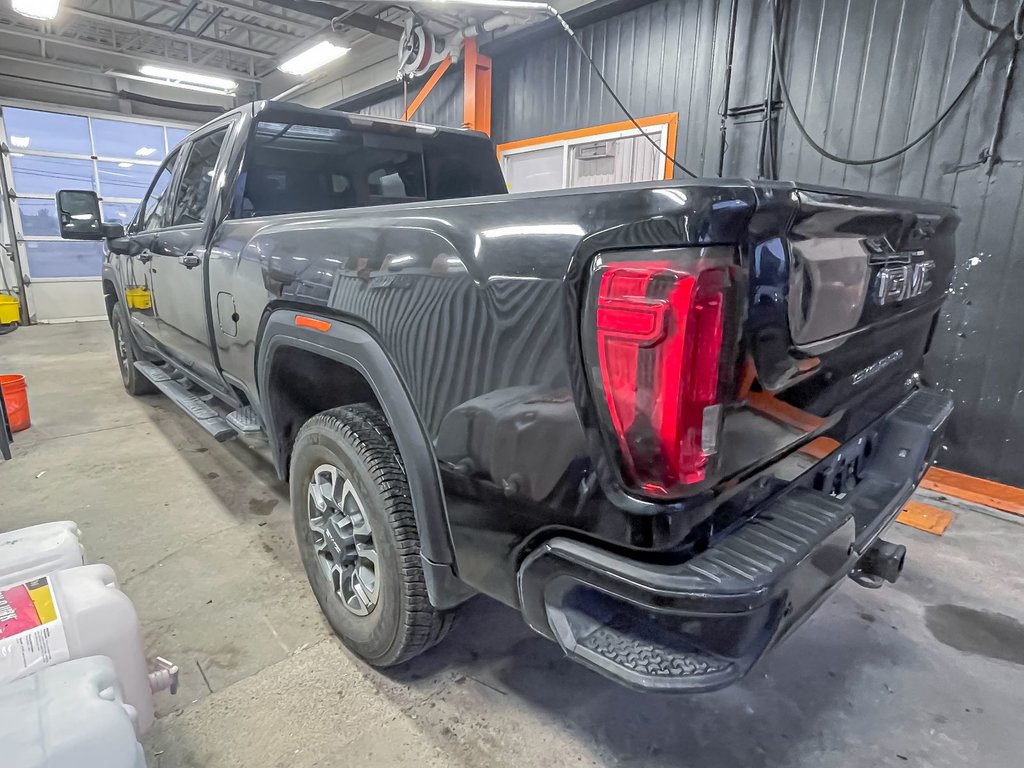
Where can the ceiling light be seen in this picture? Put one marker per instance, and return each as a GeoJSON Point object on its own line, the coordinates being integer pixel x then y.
{"type": "Point", "coordinates": [125, 165]}
{"type": "Point", "coordinates": [21, 142]}
{"type": "Point", "coordinates": [320, 54]}
{"type": "Point", "coordinates": [45, 10]}
{"type": "Point", "coordinates": [170, 83]}
{"type": "Point", "coordinates": [186, 79]}
{"type": "Point", "coordinates": [144, 151]}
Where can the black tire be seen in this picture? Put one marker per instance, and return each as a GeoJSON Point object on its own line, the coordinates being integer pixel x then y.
{"type": "Point", "coordinates": [357, 441]}
{"type": "Point", "coordinates": [127, 353]}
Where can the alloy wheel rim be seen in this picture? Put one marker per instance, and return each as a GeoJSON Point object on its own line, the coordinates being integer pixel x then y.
{"type": "Point", "coordinates": [343, 539]}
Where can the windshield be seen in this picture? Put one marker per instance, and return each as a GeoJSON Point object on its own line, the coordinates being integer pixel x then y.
{"type": "Point", "coordinates": [295, 168]}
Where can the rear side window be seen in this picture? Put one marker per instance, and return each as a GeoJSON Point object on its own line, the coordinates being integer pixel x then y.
{"type": "Point", "coordinates": [295, 168]}
{"type": "Point", "coordinates": [197, 179]}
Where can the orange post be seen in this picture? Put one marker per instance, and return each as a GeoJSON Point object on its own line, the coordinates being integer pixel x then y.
{"type": "Point", "coordinates": [477, 89]}
{"type": "Point", "coordinates": [435, 78]}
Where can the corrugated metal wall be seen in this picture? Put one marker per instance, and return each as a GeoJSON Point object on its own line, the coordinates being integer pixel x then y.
{"type": "Point", "coordinates": [443, 105]}
{"type": "Point", "coordinates": [867, 75]}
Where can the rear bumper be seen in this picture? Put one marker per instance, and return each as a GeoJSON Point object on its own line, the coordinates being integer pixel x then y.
{"type": "Point", "coordinates": [702, 624]}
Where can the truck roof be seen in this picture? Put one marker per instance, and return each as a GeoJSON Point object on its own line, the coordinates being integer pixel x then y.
{"type": "Point", "coordinates": [285, 111]}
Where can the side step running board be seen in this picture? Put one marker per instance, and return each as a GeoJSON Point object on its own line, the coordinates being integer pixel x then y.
{"type": "Point", "coordinates": [245, 421]}
{"type": "Point", "coordinates": [190, 403]}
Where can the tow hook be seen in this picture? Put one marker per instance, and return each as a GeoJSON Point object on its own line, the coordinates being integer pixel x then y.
{"type": "Point", "coordinates": [882, 562]}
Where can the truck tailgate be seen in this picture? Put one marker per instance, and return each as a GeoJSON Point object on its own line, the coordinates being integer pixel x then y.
{"type": "Point", "coordinates": [844, 298]}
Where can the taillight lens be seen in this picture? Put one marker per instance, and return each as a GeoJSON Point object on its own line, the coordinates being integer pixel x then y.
{"type": "Point", "coordinates": [659, 337]}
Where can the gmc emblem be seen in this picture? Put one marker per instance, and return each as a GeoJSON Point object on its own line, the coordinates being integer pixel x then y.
{"type": "Point", "coordinates": [899, 283]}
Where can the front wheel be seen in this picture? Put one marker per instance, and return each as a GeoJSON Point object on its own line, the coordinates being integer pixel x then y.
{"type": "Point", "coordinates": [124, 347]}
{"type": "Point", "coordinates": [358, 538]}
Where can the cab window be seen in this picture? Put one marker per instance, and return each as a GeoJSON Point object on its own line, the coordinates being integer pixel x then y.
{"type": "Point", "coordinates": [197, 179]}
{"type": "Point", "coordinates": [153, 211]}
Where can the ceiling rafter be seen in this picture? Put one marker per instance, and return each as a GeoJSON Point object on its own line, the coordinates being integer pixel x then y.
{"type": "Point", "coordinates": [161, 31]}
{"type": "Point", "coordinates": [105, 49]}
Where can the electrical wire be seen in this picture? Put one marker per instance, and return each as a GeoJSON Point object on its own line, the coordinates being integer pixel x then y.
{"type": "Point", "coordinates": [977, 18]}
{"type": "Point", "coordinates": [784, 86]}
{"type": "Point", "coordinates": [1017, 22]}
{"type": "Point", "coordinates": [611, 92]}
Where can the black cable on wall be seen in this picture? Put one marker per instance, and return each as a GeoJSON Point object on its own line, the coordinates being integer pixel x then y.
{"type": "Point", "coordinates": [1003, 34]}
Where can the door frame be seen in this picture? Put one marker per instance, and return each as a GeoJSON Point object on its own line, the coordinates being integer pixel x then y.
{"type": "Point", "coordinates": [207, 227]}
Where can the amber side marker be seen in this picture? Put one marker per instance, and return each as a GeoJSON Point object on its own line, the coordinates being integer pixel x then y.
{"type": "Point", "coordinates": [312, 322]}
{"type": "Point", "coordinates": [925, 517]}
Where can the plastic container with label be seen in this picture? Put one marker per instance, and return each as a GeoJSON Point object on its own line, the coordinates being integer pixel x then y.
{"type": "Point", "coordinates": [68, 716]}
{"type": "Point", "coordinates": [28, 553]}
{"type": "Point", "coordinates": [73, 614]}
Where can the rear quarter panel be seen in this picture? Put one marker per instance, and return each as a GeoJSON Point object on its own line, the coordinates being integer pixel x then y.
{"type": "Point", "coordinates": [476, 302]}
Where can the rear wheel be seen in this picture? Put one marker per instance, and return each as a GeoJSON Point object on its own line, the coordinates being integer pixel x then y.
{"type": "Point", "coordinates": [358, 538]}
{"type": "Point", "coordinates": [124, 347]}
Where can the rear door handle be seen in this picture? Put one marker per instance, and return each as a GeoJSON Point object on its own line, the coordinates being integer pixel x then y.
{"type": "Point", "coordinates": [190, 260]}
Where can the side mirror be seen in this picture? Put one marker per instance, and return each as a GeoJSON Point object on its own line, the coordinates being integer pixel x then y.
{"type": "Point", "coordinates": [78, 213]}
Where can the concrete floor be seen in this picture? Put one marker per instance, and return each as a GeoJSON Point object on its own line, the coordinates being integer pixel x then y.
{"type": "Point", "coordinates": [929, 672]}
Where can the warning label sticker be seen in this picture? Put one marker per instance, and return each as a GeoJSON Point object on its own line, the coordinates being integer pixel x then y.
{"type": "Point", "coordinates": [31, 632]}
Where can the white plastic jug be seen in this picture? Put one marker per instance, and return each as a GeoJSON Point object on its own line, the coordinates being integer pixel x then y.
{"type": "Point", "coordinates": [68, 716]}
{"type": "Point", "coordinates": [38, 550]}
{"type": "Point", "coordinates": [70, 615]}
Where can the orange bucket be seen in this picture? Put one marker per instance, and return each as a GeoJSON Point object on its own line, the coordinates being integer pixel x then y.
{"type": "Point", "coordinates": [16, 397]}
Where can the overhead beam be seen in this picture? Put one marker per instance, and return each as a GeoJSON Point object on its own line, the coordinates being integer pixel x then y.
{"type": "Point", "coordinates": [330, 12]}
{"type": "Point", "coordinates": [209, 20]}
{"type": "Point", "coordinates": [161, 31]}
{"type": "Point", "coordinates": [184, 15]}
{"type": "Point", "coordinates": [167, 4]}
{"type": "Point", "coordinates": [277, 18]}
{"type": "Point", "coordinates": [136, 57]}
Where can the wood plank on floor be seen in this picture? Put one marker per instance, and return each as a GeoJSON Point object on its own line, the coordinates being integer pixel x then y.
{"type": "Point", "coordinates": [925, 517]}
{"type": "Point", "coordinates": [992, 494]}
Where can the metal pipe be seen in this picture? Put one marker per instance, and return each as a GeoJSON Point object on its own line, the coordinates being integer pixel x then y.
{"type": "Point", "coordinates": [769, 89]}
{"type": "Point", "coordinates": [730, 48]}
{"type": "Point", "coordinates": [997, 133]}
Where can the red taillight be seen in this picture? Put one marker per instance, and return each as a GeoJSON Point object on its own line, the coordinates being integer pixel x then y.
{"type": "Point", "coordinates": [659, 341]}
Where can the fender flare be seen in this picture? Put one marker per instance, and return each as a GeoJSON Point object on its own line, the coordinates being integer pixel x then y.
{"type": "Point", "coordinates": [356, 348]}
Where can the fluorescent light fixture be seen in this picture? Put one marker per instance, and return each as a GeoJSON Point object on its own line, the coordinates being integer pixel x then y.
{"type": "Point", "coordinates": [184, 79]}
{"type": "Point", "coordinates": [21, 142]}
{"type": "Point", "coordinates": [126, 165]}
{"type": "Point", "coordinates": [306, 61]}
{"type": "Point", "coordinates": [164, 81]}
{"type": "Point", "coordinates": [45, 10]}
{"type": "Point", "coordinates": [144, 151]}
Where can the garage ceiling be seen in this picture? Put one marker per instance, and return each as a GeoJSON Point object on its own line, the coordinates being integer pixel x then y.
{"type": "Point", "coordinates": [234, 38]}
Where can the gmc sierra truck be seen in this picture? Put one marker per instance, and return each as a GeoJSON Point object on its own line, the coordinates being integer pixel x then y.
{"type": "Point", "coordinates": [662, 420]}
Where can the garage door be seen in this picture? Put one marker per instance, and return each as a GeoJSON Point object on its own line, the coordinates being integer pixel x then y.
{"type": "Point", "coordinates": [50, 151]}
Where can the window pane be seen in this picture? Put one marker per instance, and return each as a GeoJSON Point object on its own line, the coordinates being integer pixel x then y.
{"type": "Point", "coordinates": [38, 217]}
{"type": "Point", "coordinates": [47, 131]}
{"type": "Point", "coordinates": [535, 170]}
{"type": "Point", "coordinates": [64, 259]}
{"type": "Point", "coordinates": [116, 138]}
{"type": "Point", "coordinates": [175, 136]}
{"type": "Point", "coordinates": [124, 179]}
{"type": "Point", "coordinates": [155, 206]}
{"type": "Point", "coordinates": [47, 175]}
{"type": "Point", "coordinates": [197, 178]}
{"type": "Point", "coordinates": [119, 213]}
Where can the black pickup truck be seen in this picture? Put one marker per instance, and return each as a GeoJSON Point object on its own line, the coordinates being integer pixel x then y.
{"type": "Point", "coordinates": [662, 420]}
